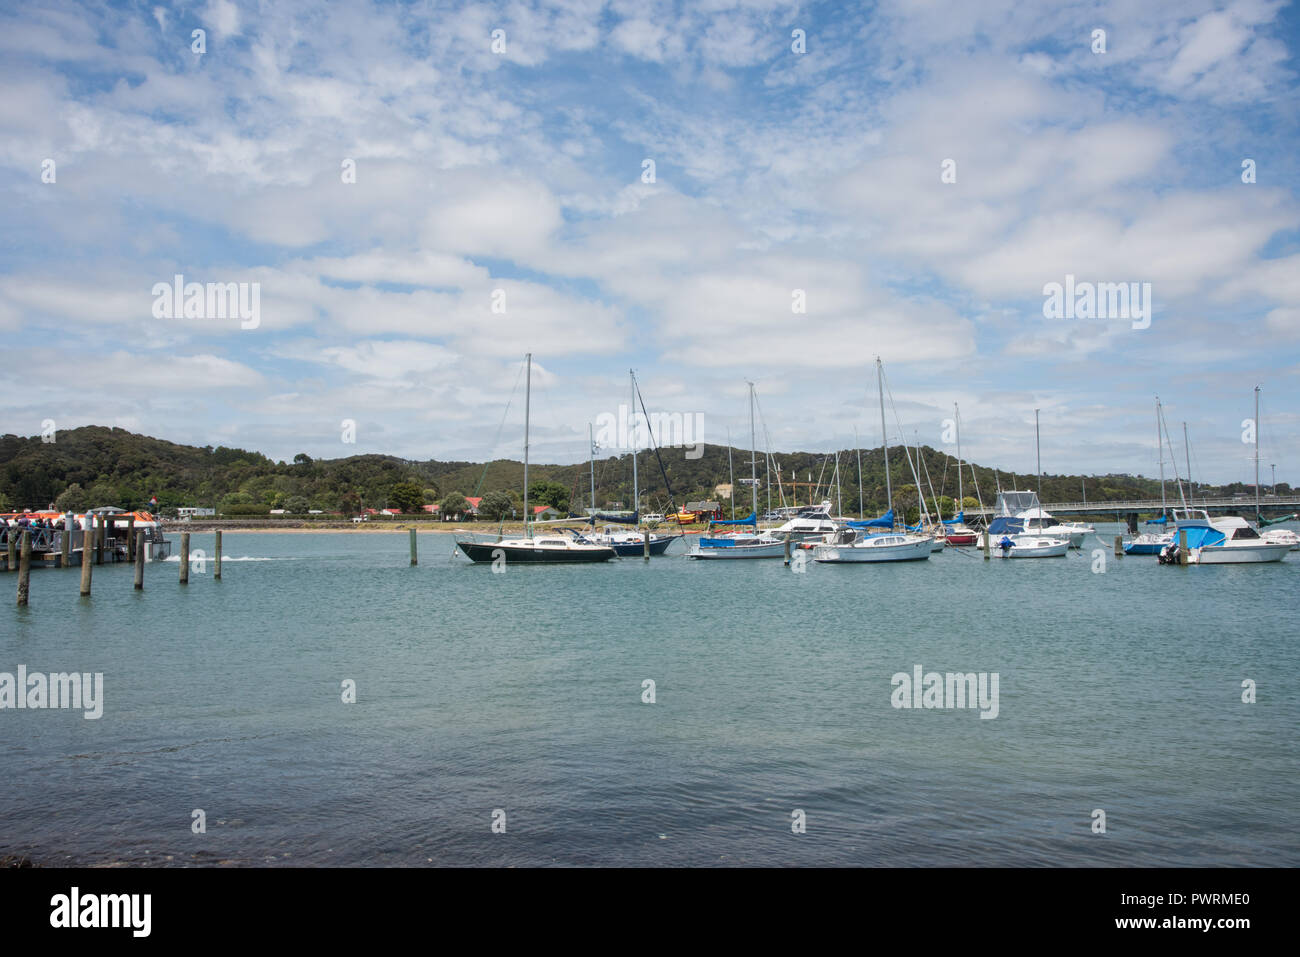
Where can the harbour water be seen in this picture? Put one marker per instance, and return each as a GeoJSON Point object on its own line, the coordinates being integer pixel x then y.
{"type": "Point", "coordinates": [1119, 690]}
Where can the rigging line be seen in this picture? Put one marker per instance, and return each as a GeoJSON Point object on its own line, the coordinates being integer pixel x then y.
{"type": "Point", "coordinates": [767, 444]}
{"type": "Point", "coordinates": [655, 445]}
{"type": "Point", "coordinates": [496, 441]}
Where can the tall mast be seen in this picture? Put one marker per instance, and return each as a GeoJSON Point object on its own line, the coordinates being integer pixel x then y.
{"type": "Point", "coordinates": [1160, 453]}
{"type": "Point", "coordinates": [592, 442]}
{"type": "Point", "coordinates": [858, 445]}
{"type": "Point", "coordinates": [1038, 454]}
{"type": "Point", "coordinates": [528, 395]}
{"type": "Point", "coordinates": [884, 436]}
{"type": "Point", "coordinates": [753, 463]}
{"type": "Point", "coordinates": [731, 474]}
{"type": "Point", "coordinates": [1187, 451]}
{"type": "Point", "coordinates": [961, 495]}
{"type": "Point", "coordinates": [1257, 516]}
{"type": "Point", "coordinates": [839, 501]}
{"type": "Point", "coordinates": [636, 487]}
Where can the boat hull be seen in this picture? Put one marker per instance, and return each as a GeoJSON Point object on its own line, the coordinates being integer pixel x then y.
{"type": "Point", "coordinates": [1238, 555]}
{"type": "Point", "coordinates": [761, 550]}
{"type": "Point", "coordinates": [657, 546]}
{"type": "Point", "coordinates": [867, 554]}
{"type": "Point", "coordinates": [1035, 547]}
{"type": "Point", "coordinates": [485, 552]}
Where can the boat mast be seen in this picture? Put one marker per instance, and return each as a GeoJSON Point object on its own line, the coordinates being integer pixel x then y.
{"type": "Point", "coordinates": [528, 395]}
{"type": "Point", "coordinates": [1038, 453]}
{"type": "Point", "coordinates": [1257, 515]}
{"type": "Point", "coordinates": [884, 436]}
{"type": "Point", "coordinates": [753, 463]}
{"type": "Point", "coordinates": [1160, 453]}
{"type": "Point", "coordinates": [592, 442]}
{"type": "Point", "coordinates": [839, 500]}
{"type": "Point", "coordinates": [961, 497]}
{"type": "Point", "coordinates": [858, 445]}
{"type": "Point", "coordinates": [731, 474]}
{"type": "Point", "coordinates": [636, 487]}
{"type": "Point", "coordinates": [1187, 451]}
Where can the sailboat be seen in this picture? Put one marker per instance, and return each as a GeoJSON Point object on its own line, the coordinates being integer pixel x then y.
{"type": "Point", "coordinates": [958, 533]}
{"type": "Point", "coordinates": [1281, 536]}
{"type": "Point", "coordinates": [1038, 537]}
{"type": "Point", "coordinates": [1150, 543]}
{"type": "Point", "coordinates": [854, 543]}
{"type": "Point", "coordinates": [626, 542]}
{"type": "Point", "coordinates": [734, 545]}
{"type": "Point", "coordinates": [532, 550]}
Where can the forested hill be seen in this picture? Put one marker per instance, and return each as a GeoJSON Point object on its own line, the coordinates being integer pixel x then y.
{"type": "Point", "coordinates": [94, 465]}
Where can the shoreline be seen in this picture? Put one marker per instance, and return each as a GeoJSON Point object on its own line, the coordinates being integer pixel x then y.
{"type": "Point", "coordinates": [321, 528]}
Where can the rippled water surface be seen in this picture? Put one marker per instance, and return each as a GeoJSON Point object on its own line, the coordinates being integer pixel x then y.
{"type": "Point", "coordinates": [1119, 690]}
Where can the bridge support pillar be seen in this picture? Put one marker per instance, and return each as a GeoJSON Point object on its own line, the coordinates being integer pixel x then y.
{"type": "Point", "coordinates": [1132, 519]}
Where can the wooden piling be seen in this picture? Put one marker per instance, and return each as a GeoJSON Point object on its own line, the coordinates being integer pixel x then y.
{"type": "Point", "coordinates": [787, 551]}
{"type": "Point", "coordinates": [646, 544]}
{"type": "Point", "coordinates": [139, 560]}
{"type": "Point", "coordinates": [1182, 546]}
{"type": "Point", "coordinates": [130, 537]}
{"type": "Point", "coordinates": [25, 568]}
{"type": "Point", "coordinates": [11, 561]}
{"type": "Point", "coordinates": [1119, 546]}
{"type": "Point", "coordinates": [217, 573]}
{"type": "Point", "coordinates": [101, 530]}
{"type": "Point", "coordinates": [988, 547]}
{"type": "Point", "coordinates": [85, 561]}
{"type": "Point", "coordinates": [65, 540]}
{"type": "Point", "coordinates": [185, 558]}
{"type": "Point", "coordinates": [414, 557]}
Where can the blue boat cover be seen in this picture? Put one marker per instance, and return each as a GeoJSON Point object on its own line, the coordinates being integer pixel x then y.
{"type": "Point", "coordinates": [1006, 526]}
{"type": "Point", "coordinates": [1198, 536]}
{"type": "Point", "coordinates": [959, 520]}
{"type": "Point", "coordinates": [885, 521]}
{"type": "Point", "coordinates": [717, 543]}
{"type": "Point", "coordinates": [1156, 521]}
{"type": "Point", "coordinates": [752, 520]}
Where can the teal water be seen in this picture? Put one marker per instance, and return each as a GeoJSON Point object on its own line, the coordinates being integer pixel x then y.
{"type": "Point", "coordinates": [522, 691]}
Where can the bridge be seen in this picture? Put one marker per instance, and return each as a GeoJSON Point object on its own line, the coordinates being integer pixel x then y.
{"type": "Point", "coordinates": [1269, 504]}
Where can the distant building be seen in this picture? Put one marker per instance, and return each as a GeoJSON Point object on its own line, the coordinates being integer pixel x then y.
{"type": "Point", "coordinates": [185, 514]}
{"type": "Point", "coordinates": [705, 509]}
{"type": "Point", "coordinates": [543, 512]}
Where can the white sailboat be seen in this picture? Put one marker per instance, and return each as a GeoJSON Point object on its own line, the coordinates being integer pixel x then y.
{"type": "Point", "coordinates": [852, 544]}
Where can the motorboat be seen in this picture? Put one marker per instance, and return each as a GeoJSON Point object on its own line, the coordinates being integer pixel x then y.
{"type": "Point", "coordinates": [1282, 536]}
{"type": "Point", "coordinates": [1226, 540]}
{"type": "Point", "coordinates": [809, 524]}
{"type": "Point", "coordinates": [1148, 543]}
{"type": "Point", "coordinates": [1030, 545]}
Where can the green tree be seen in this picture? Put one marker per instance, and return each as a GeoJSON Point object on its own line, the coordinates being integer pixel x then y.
{"type": "Point", "coordinates": [970, 502]}
{"type": "Point", "coordinates": [496, 506]}
{"type": "Point", "coordinates": [350, 502]}
{"type": "Point", "coordinates": [549, 493]}
{"type": "Point", "coordinates": [406, 496]}
{"type": "Point", "coordinates": [297, 505]}
{"type": "Point", "coordinates": [453, 504]}
{"type": "Point", "coordinates": [71, 499]}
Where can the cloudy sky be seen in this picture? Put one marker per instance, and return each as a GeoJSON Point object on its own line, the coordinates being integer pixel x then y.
{"type": "Point", "coordinates": [633, 184]}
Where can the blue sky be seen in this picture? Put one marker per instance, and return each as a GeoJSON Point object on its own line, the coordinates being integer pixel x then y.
{"type": "Point", "coordinates": [522, 171]}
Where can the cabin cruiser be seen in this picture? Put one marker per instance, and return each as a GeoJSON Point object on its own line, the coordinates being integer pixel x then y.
{"type": "Point", "coordinates": [1032, 545]}
{"type": "Point", "coordinates": [627, 541]}
{"type": "Point", "coordinates": [1227, 540]}
{"type": "Point", "coordinates": [808, 524]}
{"type": "Point", "coordinates": [545, 549]}
{"type": "Point", "coordinates": [1282, 536]}
{"type": "Point", "coordinates": [851, 545]}
{"type": "Point", "coordinates": [1017, 512]}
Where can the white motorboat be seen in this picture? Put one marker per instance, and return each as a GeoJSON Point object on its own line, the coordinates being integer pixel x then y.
{"type": "Point", "coordinates": [1282, 536]}
{"type": "Point", "coordinates": [849, 546]}
{"type": "Point", "coordinates": [813, 524]}
{"type": "Point", "coordinates": [1029, 545]}
{"type": "Point", "coordinates": [1039, 521]}
{"type": "Point", "coordinates": [1227, 540]}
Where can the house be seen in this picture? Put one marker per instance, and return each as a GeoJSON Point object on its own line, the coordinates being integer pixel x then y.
{"type": "Point", "coordinates": [185, 514]}
{"type": "Point", "coordinates": [473, 504]}
{"type": "Point", "coordinates": [431, 509]}
{"type": "Point", "coordinates": [545, 512]}
{"type": "Point", "coordinates": [705, 509]}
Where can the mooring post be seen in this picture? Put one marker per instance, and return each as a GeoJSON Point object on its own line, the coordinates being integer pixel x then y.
{"type": "Point", "coordinates": [101, 531]}
{"type": "Point", "coordinates": [414, 557]}
{"type": "Point", "coordinates": [85, 561]}
{"type": "Point", "coordinates": [1119, 546]}
{"type": "Point", "coordinates": [787, 551]}
{"type": "Point", "coordinates": [11, 561]}
{"type": "Point", "coordinates": [217, 572]}
{"type": "Point", "coordinates": [139, 561]}
{"type": "Point", "coordinates": [988, 549]}
{"type": "Point", "coordinates": [646, 545]}
{"type": "Point", "coordinates": [130, 537]}
{"type": "Point", "coordinates": [65, 541]}
{"type": "Point", "coordinates": [25, 568]}
{"type": "Point", "coordinates": [185, 558]}
{"type": "Point", "coordinates": [1182, 546]}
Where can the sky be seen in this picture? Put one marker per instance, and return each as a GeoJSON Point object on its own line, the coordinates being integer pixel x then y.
{"type": "Point", "coordinates": [707, 193]}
